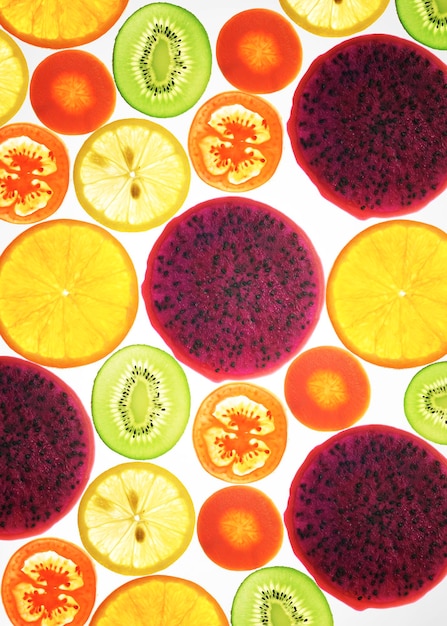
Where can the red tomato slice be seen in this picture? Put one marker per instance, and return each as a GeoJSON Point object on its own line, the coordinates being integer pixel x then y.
{"type": "Point", "coordinates": [49, 582]}
{"type": "Point", "coordinates": [235, 141]}
{"type": "Point", "coordinates": [240, 528]}
{"type": "Point", "coordinates": [72, 92]}
{"type": "Point", "coordinates": [259, 51]}
{"type": "Point", "coordinates": [240, 432]}
{"type": "Point", "coordinates": [34, 173]}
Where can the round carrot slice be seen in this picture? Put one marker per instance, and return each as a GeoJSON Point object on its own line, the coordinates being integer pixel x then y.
{"type": "Point", "coordinates": [240, 432]}
{"type": "Point", "coordinates": [72, 92]}
{"type": "Point", "coordinates": [34, 173]}
{"type": "Point", "coordinates": [61, 23]}
{"type": "Point", "coordinates": [259, 51]}
{"type": "Point", "coordinates": [14, 77]}
{"type": "Point", "coordinates": [327, 388]}
{"type": "Point", "coordinates": [240, 528]}
{"type": "Point", "coordinates": [161, 600]}
{"type": "Point", "coordinates": [49, 581]}
{"type": "Point", "coordinates": [235, 141]}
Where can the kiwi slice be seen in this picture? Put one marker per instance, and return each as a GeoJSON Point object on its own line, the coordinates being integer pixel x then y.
{"type": "Point", "coordinates": [140, 402]}
{"type": "Point", "coordinates": [425, 402]}
{"type": "Point", "coordinates": [280, 595]}
{"type": "Point", "coordinates": [425, 21]}
{"type": "Point", "coordinates": [162, 60]}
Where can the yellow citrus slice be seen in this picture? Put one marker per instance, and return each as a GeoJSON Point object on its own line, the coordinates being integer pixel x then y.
{"type": "Point", "coordinates": [334, 18]}
{"type": "Point", "coordinates": [136, 518]}
{"type": "Point", "coordinates": [387, 294]}
{"type": "Point", "coordinates": [161, 600]}
{"type": "Point", "coordinates": [14, 77]}
{"type": "Point", "coordinates": [68, 293]}
{"type": "Point", "coordinates": [131, 175]}
{"type": "Point", "coordinates": [59, 23]}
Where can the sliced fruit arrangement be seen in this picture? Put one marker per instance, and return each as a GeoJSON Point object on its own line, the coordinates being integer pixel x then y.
{"type": "Point", "coordinates": [49, 581]}
{"type": "Point", "coordinates": [68, 293]}
{"type": "Point", "coordinates": [367, 516]}
{"type": "Point", "coordinates": [234, 287]}
{"type": "Point", "coordinates": [240, 432]}
{"type": "Point", "coordinates": [425, 21]}
{"type": "Point", "coordinates": [240, 528]}
{"type": "Point", "coordinates": [131, 175]}
{"type": "Point", "coordinates": [14, 77]}
{"type": "Point", "coordinates": [387, 294]}
{"type": "Point", "coordinates": [136, 518]}
{"type": "Point", "coordinates": [72, 92]}
{"type": "Point", "coordinates": [235, 141]}
{"type": "Point", "coordinates": [259, 51]}
{"type": "Point", "coordinates": [279, 595]}
{"type": "Point", "coordinates": [61, 24]}
{"type": "Point", "coordinates": [140, 402]}
{"type": "Point", "coordinates": [327, 388]}
{"type": "Point", "coordinates": [361, 129]}
{"type": "Point", "coordinates": [425, 402]}
{"type": "Point", "coordinates": [47, 444]}
{"type": "Point", "coordinates": [162, 600]}
{"type": "Point", "coordinates": [162, 60]}
{"type": "Point", "coordinates": [334, 18]}
{"type": "Point", "coordinates": [34, 173]}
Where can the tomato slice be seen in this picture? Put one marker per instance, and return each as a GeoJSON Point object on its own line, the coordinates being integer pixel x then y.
{"type": "Point", "coordinates": [72, 92]}
{"type": "Point", "coordinates": [49, 582]}
{"type": "Point", "coordinates": [240, 432]}
{"type": "Point", "coordinates": [235, 141]}
{"type": "Point", "coordinates": [34, 173]}
{"type": "Point", "coordinates": [240, 528]}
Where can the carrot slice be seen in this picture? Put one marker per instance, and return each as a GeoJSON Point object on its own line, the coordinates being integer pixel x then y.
{"type": "Point", "coordinates": [49, 581]}
{"type": "Point", "coordinates": [326, 388]}
{"type": "Point", "coordinates": [259, 51]}
{"type": "Point", "coordinates": [240, 528]}
{"type": "Point", "coordinates": [72, 92]}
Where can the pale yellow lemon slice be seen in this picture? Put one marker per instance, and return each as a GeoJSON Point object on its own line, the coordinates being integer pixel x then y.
{"type": "Point", "coordinates": [14, 77]}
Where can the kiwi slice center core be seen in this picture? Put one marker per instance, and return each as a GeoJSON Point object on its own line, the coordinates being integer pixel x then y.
{"type": "Point", "coordinates": [160, 60]}
{"type": "Point", "coordinates": [278, 616]}
{"type": "Point", "coordinates": [441, 6]}
{"type": "Point", "coordinates": [139, 402]}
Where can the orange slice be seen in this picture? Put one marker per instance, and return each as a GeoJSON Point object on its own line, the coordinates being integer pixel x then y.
{"type": "Point", "coordinates": [136, 518]}
{"type": "Point", "coordinates": [161, 600]}
{"type": "Point", "coordinates": [387, 294]}
{"type": "Point", "coordinates": [14, 77]}
{"type": "Point", "coordinates": [68, 293]}
{"type": "Point", "coordinates": [59, 23]}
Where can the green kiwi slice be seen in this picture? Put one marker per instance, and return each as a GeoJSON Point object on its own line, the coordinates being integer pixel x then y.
{"type": "Point", "coordinates": [140, 402]}
{"type": "Point", "coordinates": [280, 595]}
{"type": "Point", "coordinates": [425, 402]}
{"type": "Point", "coordinates": [425, 21]}
{"type": "Point", "coordinates": [162, 60]}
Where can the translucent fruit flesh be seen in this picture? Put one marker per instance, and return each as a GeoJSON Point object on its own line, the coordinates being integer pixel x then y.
{"type": "Point", "coordinates": [14, 77]}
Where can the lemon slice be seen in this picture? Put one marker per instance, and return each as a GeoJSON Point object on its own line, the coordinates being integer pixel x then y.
{"type": "Point", "coordinates": [131, 175]}
{"type": "Point", "coordinates": [14, 77]}
{"type": "Point", "coordinates": [136, 518]}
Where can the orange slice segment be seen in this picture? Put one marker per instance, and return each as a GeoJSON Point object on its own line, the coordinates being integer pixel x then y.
{"type": "Point", "coordinates": [387, 294]}
{"type": "Point", "coordinates": [58, 23]}
{"type": "Point", "coordinates": [14, 77]}
{"type": "Point", "coordinates": [68, 293]}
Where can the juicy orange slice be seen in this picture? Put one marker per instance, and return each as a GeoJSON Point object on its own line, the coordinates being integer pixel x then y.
{"type": "Point", "coordinates": [161, 600]}
{"type": "Point", "coordinates": [334, 18]}
{"type": "Point", "coordinates": [136, 518]}
{"type": "Point", "coordinates": [14, 77]}
{"type": "Point", "coordinates": [68, 293]}
{"type": "Point", "coordinates": [387, 294]}
{"type": "Point", "coordinates": [58, 23]}
{"type": "Point", "coordinates": [131, 175]}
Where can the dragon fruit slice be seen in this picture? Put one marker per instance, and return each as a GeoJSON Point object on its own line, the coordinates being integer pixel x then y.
{"type": "Point", "coordinates": [234, 287]}
{"type": "Point", "coordinates": [46, 448]}
{"type": "Point", "coordinates": [367, 516]}
{"type": "Point", "coordinates": [368, 125]}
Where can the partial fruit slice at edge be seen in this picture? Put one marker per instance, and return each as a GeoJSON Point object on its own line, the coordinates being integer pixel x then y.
{"type": "Point", "coordinates": [387, 294]}
{"type": "Point", "coordinates": [136, 518]}
{"type": "Point", "coordinates": [426, 22]}
{"type": "Point", "coordinates": [49, 581]}
{"type": "Point", "coordinates": [14, 77]}
{"type": "Point", "coordinates": [425, 402]}
{"type": "Point", "coordinates": [240, 432]}
{"type": "Point", "coordinates": [68, 293]}
{"type": "Point", "coordinates": [158, 599]}
{"type": "Point", "coordinates": [131, 175]}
